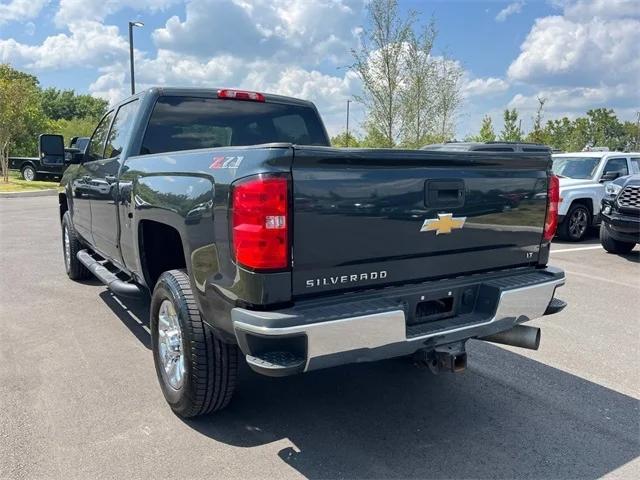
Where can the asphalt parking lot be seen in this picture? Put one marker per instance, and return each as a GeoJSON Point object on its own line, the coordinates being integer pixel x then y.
{"type": "Point", "coordinates": [79, 396]}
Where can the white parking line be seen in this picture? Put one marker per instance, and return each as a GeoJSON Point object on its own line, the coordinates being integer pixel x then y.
{"type": "Point", "coordinates": [593, 247]}
{"type": "Point", "coordinates": [600, 279]}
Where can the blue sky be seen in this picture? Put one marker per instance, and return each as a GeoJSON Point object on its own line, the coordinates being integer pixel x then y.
{"type": "Point", "coordinates": [577, 54]}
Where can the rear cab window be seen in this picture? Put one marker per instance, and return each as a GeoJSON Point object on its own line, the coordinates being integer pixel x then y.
{"type": "Point", "coordinates": [186, 123]}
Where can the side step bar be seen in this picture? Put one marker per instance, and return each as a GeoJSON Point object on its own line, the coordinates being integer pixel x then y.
{"type": "Point", "coordinates": [117, 286]}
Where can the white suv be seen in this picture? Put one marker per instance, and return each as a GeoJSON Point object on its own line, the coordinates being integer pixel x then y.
{"type": "Point", "coordinates": [582, 179]}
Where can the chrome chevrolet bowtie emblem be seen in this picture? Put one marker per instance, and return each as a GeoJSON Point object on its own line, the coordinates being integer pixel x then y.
{"type": "Point", "coordinates": [443, 224]}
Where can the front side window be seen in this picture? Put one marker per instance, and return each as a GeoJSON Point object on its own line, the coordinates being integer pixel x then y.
{"type": "Point", "coordinates": [121, 129]}
{"type": "Point", "coordinates": [575, 167]}
{"type": "Point", "coordinates": [616, 165]}
{"type": "Point", "coordinates": [186, 123]}
{"type": "Point", "coordinates": [95, 149]}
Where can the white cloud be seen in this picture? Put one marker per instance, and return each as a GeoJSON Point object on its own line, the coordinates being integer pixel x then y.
{"type": "Point", "coordinates": [484, 86]}
{"type": "Point", "coordinates": [290, 30]}
{"type": "Point", "coordinates": [20, 10]}
{"type": "Point", "coordinates": [511, 9]}
{"type": "Point", "coordinates": [89, 44]}
{"type": "Point", "coordinates": [587, 9]}
{"type": "Point", "coordinates": [97, 10]}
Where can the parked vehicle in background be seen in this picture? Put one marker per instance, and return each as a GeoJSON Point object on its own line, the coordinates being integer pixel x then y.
{"type": "Point", "coordinates": [489, 147]}
{"type": "Point", "coordinates": [256, 237]}
{"type": "Point", "coordinates": [620, 228]}
{"type": "Point", "coordinates": [34, 168]}
{"type": "Point", "coordinates": [583, 177]}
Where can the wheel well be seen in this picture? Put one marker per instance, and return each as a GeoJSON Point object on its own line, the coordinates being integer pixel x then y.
{"type": "Point", "coordinates": [62, 201]}
{"type": "Point", "coordinates": [588, 203]}
{"type": "Point", "coordinates": [160, 250]}
{"type": "Point", "coordinates": [28, 164]}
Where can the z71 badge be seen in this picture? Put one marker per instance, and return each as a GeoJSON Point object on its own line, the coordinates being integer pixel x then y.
{"type": "Point", "coordinates": [226, 162]}
{"type": "Point", "coordinates": [445, 223]}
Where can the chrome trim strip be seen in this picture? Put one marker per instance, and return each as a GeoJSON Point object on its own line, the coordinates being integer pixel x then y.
{"type": "Point", "coordinates": [380, 329]}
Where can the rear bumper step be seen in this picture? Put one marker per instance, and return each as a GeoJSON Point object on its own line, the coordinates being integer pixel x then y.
{"type": "Point", "coordinates": [328, 335]}
{"type": "Point", "coordinates": [106, 276]}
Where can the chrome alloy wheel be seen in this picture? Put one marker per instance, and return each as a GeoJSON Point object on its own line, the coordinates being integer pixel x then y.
{"type": "Point", "coordinates": [67, 248]}
{"type": "Point", "coordinates": [170, 348]}
{"type": "Point", "coordinates": [578, 223]}
{"type": "Point", "coordinates": [29, 174]}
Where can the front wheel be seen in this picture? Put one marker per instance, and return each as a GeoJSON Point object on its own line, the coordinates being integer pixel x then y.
{"type": "Point", "coordinates": [575, 224]}
{"type": "Point", "coordinates": [196, 370]}
{"type": "Point", "coordinates": [612, 245]}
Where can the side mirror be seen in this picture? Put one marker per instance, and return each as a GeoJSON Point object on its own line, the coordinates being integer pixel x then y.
{"type": "Point", "coordinates": [73, 156]}
{"type": "Point", "coordinates": [51, 149]}
{"type": "Point", "coordinates": [609, 176]}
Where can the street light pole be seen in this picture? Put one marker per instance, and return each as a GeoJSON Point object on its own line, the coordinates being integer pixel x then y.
{"type": "Point", "coordinates": [347, 138]}
{"type": "Point", "coordinates": [133, 80]}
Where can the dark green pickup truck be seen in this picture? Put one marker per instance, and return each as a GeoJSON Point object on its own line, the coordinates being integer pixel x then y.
{"type": "Point", "coordinates": [258, 242]}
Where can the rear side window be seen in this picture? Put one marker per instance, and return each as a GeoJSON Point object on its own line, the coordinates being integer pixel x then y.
{"type": "Point", "coordinates": [635, 164]}
{"type": "Point", "coordinates": [95, 149]}
{"type": "Point", "coordinates": [121, 129]}
{"type": "Point", "coordinates": [185, 123]}
{"type": "Point", "coordinates": [616, 165]}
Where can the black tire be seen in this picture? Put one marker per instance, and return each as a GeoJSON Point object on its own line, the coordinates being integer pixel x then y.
{"type": "Point", "coordinates": [29, 173]}
{"type": "Point", "coordinates": [210, 365]}
{"type": "Point", "coordinates": [75, 269]}
{"type": "Point", "coordinates": [612, 245]}
{"type": "Point", "coordinates": [576, 223]}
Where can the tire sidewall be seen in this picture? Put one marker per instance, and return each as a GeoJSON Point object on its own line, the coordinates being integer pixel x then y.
{"type": "Point", "coordinates": [26, 168]}
{"type": "Point", "coordinates": [167, 289]}
{"type": "Point", "coordinates": [65, 227]}
{"type": "Point", "coordinates": [571, 213]}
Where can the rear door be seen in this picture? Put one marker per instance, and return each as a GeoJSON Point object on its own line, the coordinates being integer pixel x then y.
{"type": "Point", "coordinates": [82, 186]}
{"type": "Point", "coordinates": [371, 218]}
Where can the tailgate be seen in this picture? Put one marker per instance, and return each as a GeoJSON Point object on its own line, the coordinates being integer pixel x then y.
{"type": "Point", "coordinates": [378, 217]}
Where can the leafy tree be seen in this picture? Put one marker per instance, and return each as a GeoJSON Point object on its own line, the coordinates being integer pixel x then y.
{"type": "Point", "coordinates": [345, 140]}
{"type": "Point", "coordinates": [76, 127]}
{"type": "Point", "coordinates": [537, 134]}
{"type": "Point", "coordinates": [511, 131]}
{"type": "Point", "coordinates": [21, 116]}
{"type": "Point", "coordinates": [65, 104]}
{"type": "Point", "coordinates": [486, 131]}
{"type": "Point", "coordinates": [448, 97]}
{"type": "Point", "coordinates": [379, 64]}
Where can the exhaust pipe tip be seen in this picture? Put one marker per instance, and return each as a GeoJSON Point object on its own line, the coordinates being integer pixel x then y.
{"type": "Point", "coordinates": [519, 336]}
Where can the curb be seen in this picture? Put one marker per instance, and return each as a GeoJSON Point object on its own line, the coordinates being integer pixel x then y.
{"type": "Point", "coordinates": [34, 193]}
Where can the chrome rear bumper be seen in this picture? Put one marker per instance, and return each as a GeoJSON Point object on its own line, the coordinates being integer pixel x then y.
{"type": "Point", "coordinates": [375, 336]}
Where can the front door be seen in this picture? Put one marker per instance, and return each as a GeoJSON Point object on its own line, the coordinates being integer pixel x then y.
{"type": "Point", "coordinates": [82, 187]}
{"type": "Point", "coordinates": [104, 175]}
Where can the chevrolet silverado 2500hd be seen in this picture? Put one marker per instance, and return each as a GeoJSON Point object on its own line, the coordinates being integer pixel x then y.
{"type": "Point", "coordinates": [260, 242]}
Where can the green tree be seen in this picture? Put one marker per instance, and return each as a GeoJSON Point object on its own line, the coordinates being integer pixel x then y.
{"type": "Point", "coordinates": [511, 131]}
{"type": "Point", "coordinates": [486, 133]}
{"type": "Point", "coordinates": [21, 116]}
{"type": "Point", "coordinates": [76, 127]}
{"type": "Point", "coordinates": [537, 133]}
{"type": "Point", "coordinates": [66, 104]}
{"type": "Point", "coordinates": [345, 140]}
{"type": "Point", "coordinates": [379, 62]}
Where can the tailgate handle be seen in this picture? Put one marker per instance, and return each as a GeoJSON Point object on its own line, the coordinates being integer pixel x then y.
{"type": "Point", "coordinates": [444, 193]}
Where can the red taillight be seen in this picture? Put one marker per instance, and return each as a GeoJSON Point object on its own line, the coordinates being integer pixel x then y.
{"type": "Point", "coordinates": [260, 222]}
{"type": "Point", "coordinates": [553, 202]}
{"type": "Point", "coordinates": [240, 95]}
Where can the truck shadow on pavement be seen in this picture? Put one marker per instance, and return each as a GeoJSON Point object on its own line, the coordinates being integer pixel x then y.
{"type": "Point", "coordinates": [506, 416]}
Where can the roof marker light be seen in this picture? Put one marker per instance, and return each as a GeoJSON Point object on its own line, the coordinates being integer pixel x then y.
{"type": "Point", "coordinates": [240, 95]}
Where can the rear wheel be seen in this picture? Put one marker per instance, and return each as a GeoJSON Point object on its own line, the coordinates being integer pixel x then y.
{"type": "Point", "coordinates": [196, 370]}
{"type": "Point", "coordinates": [612, 245]}
{"type": "Point", "coordinates": [29, 173]}
{"type": "Point", "coordinates": [575, 224]}
{"type": "Point", "coordinates": [71, 245]}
